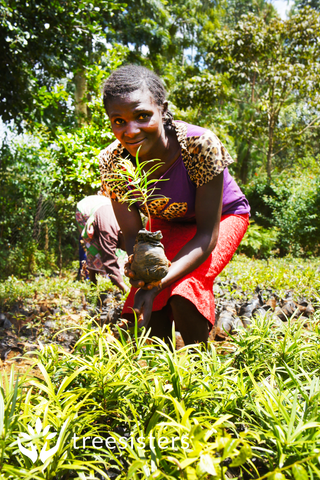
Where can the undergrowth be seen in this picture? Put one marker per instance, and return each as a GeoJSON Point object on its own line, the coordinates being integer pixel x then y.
{"type": "Point", "coordinates": [302, 276]}
{"type": "Point", "coordinates": [16, 291]}
{"type": "Point", "coordinates": [135, 409]}
{"type": "Point", "coordinates": [142, 411]}
{"type": "Point", "coordinates": [280, 274]}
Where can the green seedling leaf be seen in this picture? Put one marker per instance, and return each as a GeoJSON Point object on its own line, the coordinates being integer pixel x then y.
{"type": "Point", "coordinates": [206, 465]}
{"type": "Point", "coordinates": [137, 465]}
{"type": "Point", "coordinates": [66, 381]}
{"type": "Point", "coordinates": [244, 454]}
{"type": "Point", "coordinates": [277, 476]}
{"type": "Point", "coordinates": [15, 395]}
{"type": "Point", "coordinates": [188, 461]}
{"type": "Point", "coordinates": [1, 413]}
{"type": "Point", "coordinates": [299, 472]}
{"type": "Point", "coordinates": [191, 474]}
{"type": "Point", "coordinates": [230, 446]}
{"type": "Point", "coordinates": [141, 189]}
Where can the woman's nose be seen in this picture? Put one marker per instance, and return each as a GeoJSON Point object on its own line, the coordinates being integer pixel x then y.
{"type": "Point", "coordinates": [132, 129]}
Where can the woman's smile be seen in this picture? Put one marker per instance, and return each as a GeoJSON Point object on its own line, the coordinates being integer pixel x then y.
{"type": "Point", "coordinates": [136, 142]}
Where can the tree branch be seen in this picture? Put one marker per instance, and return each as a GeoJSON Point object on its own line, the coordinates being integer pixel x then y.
{"type": "Point", "coordinates": [298, 133]}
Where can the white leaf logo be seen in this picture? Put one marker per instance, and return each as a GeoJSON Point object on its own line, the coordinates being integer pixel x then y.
{"type": "Point", "coordinates": [44, 455]}
{"type": "Point", "coordinates": [33, 453]}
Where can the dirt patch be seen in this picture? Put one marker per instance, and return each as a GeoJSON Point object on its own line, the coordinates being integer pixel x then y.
{"type": "Point", "coordinates": [35, 322]}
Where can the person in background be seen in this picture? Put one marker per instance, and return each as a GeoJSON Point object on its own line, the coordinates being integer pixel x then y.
{"type": "Point", "coordinates": [101, 236]}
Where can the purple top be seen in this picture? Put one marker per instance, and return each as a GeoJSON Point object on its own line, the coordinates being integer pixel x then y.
{"type": "Point", "coordinates": [178, 191]}
{"type": "Point", "coordinates": [233, 201]}
{"type": "Point", "coordinates": [202, 157]}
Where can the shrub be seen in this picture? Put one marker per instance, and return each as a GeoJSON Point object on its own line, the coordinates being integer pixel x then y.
{"type": "Point", "coordinates": [44, 175]}
{"type": "Point", "coordinates": [291, 204]}
{"type": "Point", "coordinates": [258, 241]}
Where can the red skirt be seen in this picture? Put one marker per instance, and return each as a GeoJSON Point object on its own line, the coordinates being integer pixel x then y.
{"type": "Point", "coordinates": [197, 285]}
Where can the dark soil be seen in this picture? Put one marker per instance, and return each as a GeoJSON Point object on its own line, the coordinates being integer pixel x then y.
{"type": "Point", "coordinates": [30, 324]}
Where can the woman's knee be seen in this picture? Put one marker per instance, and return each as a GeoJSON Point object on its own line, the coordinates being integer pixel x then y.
{"type": "Point", "coordinates": [192, 325]}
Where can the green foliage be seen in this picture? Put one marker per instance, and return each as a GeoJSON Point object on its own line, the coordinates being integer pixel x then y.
{"type": "Point", "coordinates": [254, 409]}
{"type": "Point", "coordinates": [260, 8]}
{"type": "Point", "coordinates": [251, 85]}
{"type": "Point", "coordinates": [76, 168]}
{"type": "Point", "coordinates": [14, 291]}
{"type": "Point", "coordinates": [258, 241]}
{"type": "Point", "coordinates": [165, 29]}
{"type": "Point", "coordinates": [251, 404]}
{"type": "Point", "coordinates": [280, 274]}
{"type": "Point", "coordinates": [25, 258]}
{"type": "Point", "coordinates": [22, 180]}
{"type": "Point", "coordinates": [73, 152]}
{"type": "Point", "coordinates": [23, 184]}
{"type": "Point", "coordinates": [42, 43]}
{"type": "Point", "coordinates": [290, 204]}
{"type": "Point", "coordinates": [252, 79]}
{"type": "Point", "coordinates": [31, 222]}
{"type": "Point", "coordinates": [307, 3]}
{"type": "Point", "coordinates": [43, 176]}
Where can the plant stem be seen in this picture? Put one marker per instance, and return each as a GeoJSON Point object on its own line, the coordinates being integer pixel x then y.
{"type": "Point", "coordinates": [149, 217]}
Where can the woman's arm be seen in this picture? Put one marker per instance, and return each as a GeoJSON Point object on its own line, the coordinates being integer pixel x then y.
{"type": "Point", "coordinates": [208, 209]}
{"type": "Point", "coordinates": [129, 222]}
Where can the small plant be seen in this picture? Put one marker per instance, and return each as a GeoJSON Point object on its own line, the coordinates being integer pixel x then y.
{"type": "Point", "coordinates": [149, 261]}
{"type": "Point", "coordinates": [136, 178]}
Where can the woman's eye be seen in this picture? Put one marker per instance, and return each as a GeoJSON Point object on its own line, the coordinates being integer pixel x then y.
{"type": "Point", "coordinates": [118, 121]}
{"type": "Point", "coordinates": [143, 116]}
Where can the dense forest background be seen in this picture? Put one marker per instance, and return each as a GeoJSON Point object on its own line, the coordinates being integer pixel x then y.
{"type": "Point", "coordinates": [232, 66]}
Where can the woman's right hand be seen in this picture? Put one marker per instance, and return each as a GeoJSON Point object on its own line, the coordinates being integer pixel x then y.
{"type": "Point", "coordinates": [135, 282]}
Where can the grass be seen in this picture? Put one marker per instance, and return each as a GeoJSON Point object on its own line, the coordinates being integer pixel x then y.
{"type": "Point", "coordinates": [248, 408]}
{"type": "Point", "coordinates": [16, 291]}
{"type": "Point", "coordinates": [280, 274]}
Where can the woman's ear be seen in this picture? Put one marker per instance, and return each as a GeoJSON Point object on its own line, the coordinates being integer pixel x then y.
{"type": "Point", "coordinates": [164, 108]}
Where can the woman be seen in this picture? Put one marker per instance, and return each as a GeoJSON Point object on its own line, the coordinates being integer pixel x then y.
{"type": "Point", "coordinates": [199, 199]}
{"type": "Point", "coordinates": [101, 236]}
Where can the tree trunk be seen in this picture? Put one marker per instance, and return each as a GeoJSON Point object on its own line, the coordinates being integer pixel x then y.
{"type": "Point", "coordinates": [270, 148]}
{"type": "Point", "coordinates": [270, 135]}
{"type": "Point", "coordinates": [245, 166]}
{"type": "Point", "coordinates": [36, 224]}
{"type": "Point", "coordinates": [80, 97]}
{"type": "Point", "coordinates": [60, 253]}
{"type": "Point", "coordinates": [46, 237]}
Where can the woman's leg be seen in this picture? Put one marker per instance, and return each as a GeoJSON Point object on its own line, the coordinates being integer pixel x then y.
{"type": "Point", "coordinates": [188, 321]}
{"type": "Point", "coordinates": [192, 325]}
{"type": "Point", "coordinates": [92, 276]}
{"type": "Point", "coordinates": [161, 325]}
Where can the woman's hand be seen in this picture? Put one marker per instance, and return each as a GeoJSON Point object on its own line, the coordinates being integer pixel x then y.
{"type": "Point", "coordinates": [143, 301]}
{"type": "Point", "coordinates": [135, 282]}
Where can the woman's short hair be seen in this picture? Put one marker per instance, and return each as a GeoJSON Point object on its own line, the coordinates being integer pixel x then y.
{"type": "Point", "coordinates": [129, 78]}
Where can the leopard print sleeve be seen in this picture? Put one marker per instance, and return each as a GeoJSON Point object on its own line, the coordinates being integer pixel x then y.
{"type": "Point", "coordinates": [108, 160]}
{"type": "Point", "coordinates": [205, 157]}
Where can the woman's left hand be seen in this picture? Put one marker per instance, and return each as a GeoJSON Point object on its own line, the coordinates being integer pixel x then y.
{"type": "Point", "coordinates": [143, 301]}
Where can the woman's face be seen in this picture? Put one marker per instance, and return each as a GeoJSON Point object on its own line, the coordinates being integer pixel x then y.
{"type": "Point", "coordinates": [136, 121]}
